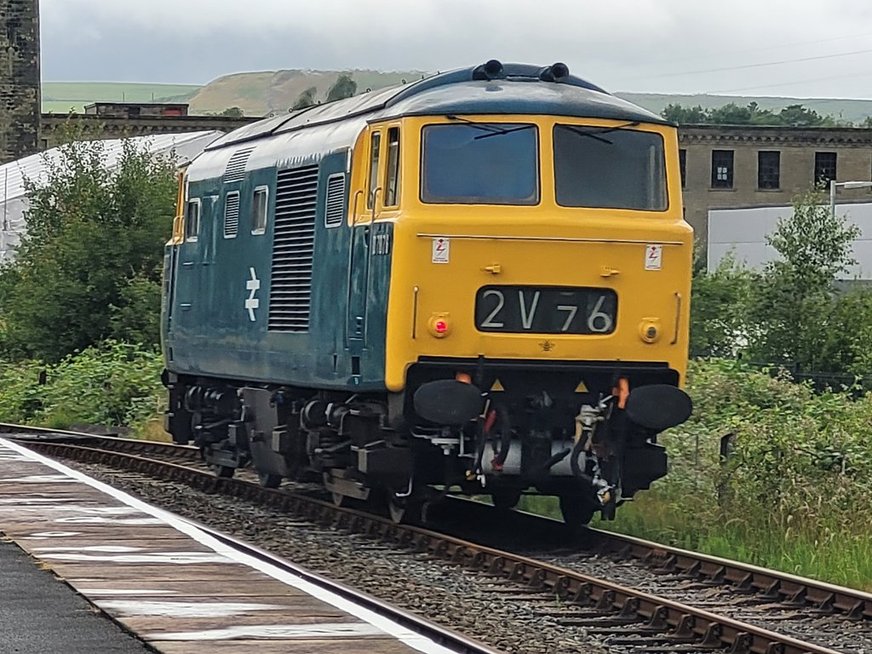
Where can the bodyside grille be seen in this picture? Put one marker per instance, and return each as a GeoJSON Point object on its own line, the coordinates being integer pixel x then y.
{"type": "Point", "coordinates": [293, 249]}
{"type": "Point", "coordinates": [335, 211]}
{"type": "Point", "coordinates": [231, 215]}
{"type": "Point", "coordinates": [235, 171]}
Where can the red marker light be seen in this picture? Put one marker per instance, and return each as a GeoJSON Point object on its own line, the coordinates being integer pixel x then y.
{"type": "Point", "coordinates": [439, 325]}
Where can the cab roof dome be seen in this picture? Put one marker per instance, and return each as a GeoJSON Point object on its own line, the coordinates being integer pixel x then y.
{"type": "Point", "coordinates": [490, 88]}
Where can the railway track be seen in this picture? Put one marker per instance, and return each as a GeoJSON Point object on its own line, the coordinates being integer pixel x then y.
{"type": "Point", "coordinates": [627, 618]}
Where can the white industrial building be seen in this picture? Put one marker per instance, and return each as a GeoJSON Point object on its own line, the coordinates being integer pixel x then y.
{"type": "Point", "coordinates": [743, 232]}
{"type": "Point", "coordinates": [13, 200]}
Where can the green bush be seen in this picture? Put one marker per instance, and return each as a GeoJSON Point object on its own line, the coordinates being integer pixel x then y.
{"type": "Point", "coordinates": [792, 312]}
{"type": "Point", "coordinates": [796, 491]}
{"type": "Point", "coordinates": [91, 258]}
{"type": "Point", "coordinates": [114, 384]}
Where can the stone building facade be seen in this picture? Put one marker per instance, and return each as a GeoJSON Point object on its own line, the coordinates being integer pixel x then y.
{"type": "Point", "coordinates": [742, 166]}
{"type": "Point", "coordinates": [19, 79]}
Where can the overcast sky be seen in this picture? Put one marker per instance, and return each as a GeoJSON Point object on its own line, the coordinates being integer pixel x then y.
{"type": "Point", "coordinates": [802, 48]}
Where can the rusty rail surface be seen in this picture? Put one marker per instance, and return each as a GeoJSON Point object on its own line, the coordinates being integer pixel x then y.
{"type": "Point", "coordinates": [679, 623]}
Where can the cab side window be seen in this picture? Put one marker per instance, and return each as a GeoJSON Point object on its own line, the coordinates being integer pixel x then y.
{"type": "Point", "coordinates": [392, 172]}
{"type": "Point", "coordinates": [259, 209]}
{"type": "Point", "coordinates": [192, 220]}
{"type": "Point", "coordinates": [374, 151]}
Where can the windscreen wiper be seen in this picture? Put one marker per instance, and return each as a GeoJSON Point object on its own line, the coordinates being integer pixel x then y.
{"type": "Point", "coordinates": [595, 132]}
{"type": "Point", "coordinates": [491, 129]}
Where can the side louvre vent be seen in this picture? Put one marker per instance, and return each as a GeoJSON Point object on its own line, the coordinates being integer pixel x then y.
{"type": "Point", "coordinates": [235, 171]}
{"type": "Point", "coordinates": [231, 215]}
{"type": "Point", "coordinates": [293, 248]}
{"type": "Point", "coordinates": [335, 200]}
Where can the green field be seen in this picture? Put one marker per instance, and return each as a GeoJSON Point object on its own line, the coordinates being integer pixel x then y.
{"type": "Point", "coordinates": [63, 97]}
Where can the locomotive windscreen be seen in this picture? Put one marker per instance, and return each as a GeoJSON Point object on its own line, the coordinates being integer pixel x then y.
{"type": "Point", "coordinates": [480, 163]}
{"type": "Point", "coordinates": [609, 168]}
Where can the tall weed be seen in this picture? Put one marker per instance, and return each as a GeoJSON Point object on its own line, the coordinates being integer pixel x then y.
{"type": "Point", "coordinates": [113, 384]}
{"type": "Point", "coordinates": [795, 491]}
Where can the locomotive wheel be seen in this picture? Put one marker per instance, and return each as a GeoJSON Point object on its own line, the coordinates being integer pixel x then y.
{"type": "Point", "coordinates": [340, 500]}
{"type": "Point", "coordinates": [505, 500]}
{"type": "Point", "coordinates": [269, 481]}
{"type": "Point", "coordinates": [225, 472]}
{"type": "Point", "coordinates": [404, 510]}
{"type": "Point", "coordinates": [576, 511]}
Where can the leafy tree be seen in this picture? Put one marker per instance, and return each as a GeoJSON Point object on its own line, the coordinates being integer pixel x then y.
{"type": "Point", "coordinates": [305, 99]}
{"type": "Point", "coordinates": [343, 87]}
{"type": "Point", "coordinates": [761, 116]}
{"type": "Point", "coordinates": [815, 245]}
{"type": "Point", "coordinates": [719, 310]}
{"type": "Point", "coordinates": [798, 116]}
{"type": "Point", "coordinates": [685, 115]}
{"type": "Point", "coordinates": [793, 312]}
{"type": "Point", "coordinates": [797, 306]}
{"type": "Point", "coordinates": [730, 114]}
{"type": "Point", "coordinates": [89, 266]}
{"type": "Point", "coordinates": [867, 122]}
{"type": "Point", "coordinates": [794, 115]}
{"type": "Point", "coordinates": [233, 112]}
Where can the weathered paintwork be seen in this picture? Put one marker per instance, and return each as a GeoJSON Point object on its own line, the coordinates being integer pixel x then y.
{"type": "Point", "coordinates": [375, 287]}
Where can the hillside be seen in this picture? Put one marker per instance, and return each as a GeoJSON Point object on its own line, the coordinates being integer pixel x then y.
{"type": "Point", "coordinates": [260, 93]}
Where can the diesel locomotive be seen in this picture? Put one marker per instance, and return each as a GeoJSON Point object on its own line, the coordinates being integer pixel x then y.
{"type": "Point", "coordinates": [476, 283]}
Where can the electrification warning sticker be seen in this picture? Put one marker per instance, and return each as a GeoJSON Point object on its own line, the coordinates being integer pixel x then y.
{"type": "Point", "coordinates": [441, 250]}
{"type": "Point", "coordinates": [653, 257]}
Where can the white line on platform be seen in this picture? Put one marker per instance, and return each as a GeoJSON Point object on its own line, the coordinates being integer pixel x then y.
{"type": "Point", "coordinates": [410, 638]}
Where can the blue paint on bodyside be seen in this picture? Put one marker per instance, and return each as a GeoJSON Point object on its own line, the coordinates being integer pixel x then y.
{"type": "Point", "coordinates": [218, 337]}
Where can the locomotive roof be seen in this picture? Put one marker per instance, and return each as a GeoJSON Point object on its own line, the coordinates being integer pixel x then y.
{"type": "Point", "coordinates": [517, 89]}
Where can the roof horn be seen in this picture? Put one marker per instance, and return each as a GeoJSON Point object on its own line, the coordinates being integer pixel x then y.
{"type": "Point", "coordinates": [557, 72]}
{"type": "Point", "coordinates": [490, 70]}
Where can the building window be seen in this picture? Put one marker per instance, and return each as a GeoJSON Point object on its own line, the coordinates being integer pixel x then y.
{"type": "Point", "coordinates": [769, 170]}
{"type": "Point", "coordinates": [722, 169]}
{"type": "Point", "coordinates": [393, 168]}
{"type": "Point", "coordinates": [260, 204]}
{"type": "Point", "coordinates": [824, 167]}
{"type": "Point", "coordinates": [682, 164]}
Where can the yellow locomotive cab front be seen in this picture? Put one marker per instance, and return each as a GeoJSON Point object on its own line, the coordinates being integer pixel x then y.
{"type": "Point", "coordinates": [536, 280]}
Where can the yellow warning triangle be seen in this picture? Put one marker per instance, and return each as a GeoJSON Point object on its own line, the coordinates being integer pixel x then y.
{"type": "Point", "coordinates": [581, 388]}
{"type": "Point", "coordinates": [497, 386]}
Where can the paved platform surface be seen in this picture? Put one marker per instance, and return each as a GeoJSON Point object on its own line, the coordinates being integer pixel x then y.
{"type": "Point", "coordinates": [39, 614]}
{"type": "Point", "coordinates": [180, 590]}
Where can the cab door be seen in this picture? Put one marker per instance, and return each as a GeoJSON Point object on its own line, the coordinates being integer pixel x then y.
{"type": "Point", "coordinates": [363, 217]}
{"type": "Point", "coordinates": [193, 260]}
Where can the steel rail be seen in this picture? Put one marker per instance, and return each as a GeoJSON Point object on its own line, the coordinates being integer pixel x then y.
{"type": "Point", "coordinates": [661, 615]}
{"type": "Point", "coordinates": [116, 442]}
{"type": "Point", "coordinates": [780, 586]}
{"type": "Point", "coordinates": [771, 584]}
